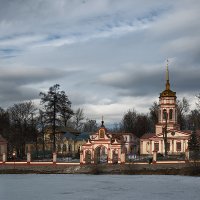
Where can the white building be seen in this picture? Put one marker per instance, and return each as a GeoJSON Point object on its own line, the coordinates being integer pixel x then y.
{"type": "Point", "coordinates": [177, 140]}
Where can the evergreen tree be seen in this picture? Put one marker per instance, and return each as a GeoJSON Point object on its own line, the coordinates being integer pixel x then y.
{"type": "Point", "coordinates": [56, 107]}
{"type": "Point", "coordinates": [194, 144]}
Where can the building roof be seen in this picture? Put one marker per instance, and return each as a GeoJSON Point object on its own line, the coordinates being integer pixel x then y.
{"type": "Point", "coordinates": [69, 135]}
{"type": "Point", "coordinates": [83, 136]}
{"type": "Point", "coordinates": [121, 133]}
{"type": "Point", "coordinates": [62, 129]}
{"type": "Point", "coordinates": [148, 135]}
{"type": "Point", "coordinates": [168, 93]}
{"type": "Point", "coordinates": [80, 137]}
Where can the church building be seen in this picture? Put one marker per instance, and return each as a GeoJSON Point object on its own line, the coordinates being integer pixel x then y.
{"type": "Point", "coordinates": [177, 140]}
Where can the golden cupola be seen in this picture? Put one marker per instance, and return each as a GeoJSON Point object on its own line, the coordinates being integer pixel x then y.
{"type": "Point", "coordinates": [167, 92]}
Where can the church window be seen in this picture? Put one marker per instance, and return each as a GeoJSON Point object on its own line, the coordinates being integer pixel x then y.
{"type": "Point", "coordinates": [170, 114]}
{"type": "Point", "coordinates": [178, 146]}
{"type": "Point", "coordinates": [147, 147]}
{"type": "Point", "coordinates": [168, 146]}
{"type": "Point", "coordinates": [160, 115]}
{"type": "Point", "coordinates": [70, 148]}
{"type": "Point", "coordinates": [164, 114]}
{"type": "Point", "coordinates": [101, 133]}
{"type": "Point", "coordinates": [64, 147]}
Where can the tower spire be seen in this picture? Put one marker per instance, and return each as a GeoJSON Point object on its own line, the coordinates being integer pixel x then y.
{"type": "Point", "coordinates": [167, 76]}
{"type": "Point", "coordinates": [102, 122]}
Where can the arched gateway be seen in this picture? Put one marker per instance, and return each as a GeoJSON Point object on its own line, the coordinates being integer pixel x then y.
{"type": "Point", "coordinates": [100, 154]}
{"type": "Point", "coordinates": [104, 147]}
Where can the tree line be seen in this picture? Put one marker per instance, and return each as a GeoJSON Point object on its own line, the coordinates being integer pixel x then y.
{"type": "Point", "coordinates": [24, 122]}
{"type": "Point", "coordinates": [139, 123]}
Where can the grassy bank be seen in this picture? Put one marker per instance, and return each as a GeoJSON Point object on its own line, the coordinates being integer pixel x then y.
{"type": "Point", "coordinates": [129, 169]}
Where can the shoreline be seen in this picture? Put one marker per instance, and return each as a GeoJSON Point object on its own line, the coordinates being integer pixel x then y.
{"type": "Point", "coordinates": [123, 169]}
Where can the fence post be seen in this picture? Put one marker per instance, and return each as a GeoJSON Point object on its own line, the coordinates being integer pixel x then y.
{"type": "Point", "coordinates": [28, 158]}
{"type": "Point", "coordinates": [154, 156]}
{"type": "Point", "coordinates": [4, 157]}
{"type": "Point", "coordinates": [54, 157]}
{"type": "Point", "coordinates": [187, 155]}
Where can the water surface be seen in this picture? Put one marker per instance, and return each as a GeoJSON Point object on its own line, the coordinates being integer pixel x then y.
{"type": "Point", "coordinates": [98, 187]}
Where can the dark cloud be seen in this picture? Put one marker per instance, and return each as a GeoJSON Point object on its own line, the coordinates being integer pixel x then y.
{"type": "Point", "coordinates": [108, 55]}
{"type": "Point", "coordinates": [147, 82]}
{"type": "Point", "coordinates": [18, 84]}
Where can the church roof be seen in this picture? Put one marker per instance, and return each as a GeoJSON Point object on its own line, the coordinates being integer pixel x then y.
{"type": "Point", "coordinates": [148, 135]}
{"type": "Point", "coordinates": [167, 92]}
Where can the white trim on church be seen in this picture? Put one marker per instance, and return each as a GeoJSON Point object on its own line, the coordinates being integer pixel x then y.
{"type": "Point", "coordinates": [177, 140]}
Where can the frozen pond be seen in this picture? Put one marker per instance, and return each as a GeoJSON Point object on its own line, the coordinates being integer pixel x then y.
{"type": "Point", "coordinates": [98, 187]}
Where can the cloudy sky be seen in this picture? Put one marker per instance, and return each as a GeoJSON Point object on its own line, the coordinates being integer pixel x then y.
{"type": "Point", "coordinates": [107, 55]}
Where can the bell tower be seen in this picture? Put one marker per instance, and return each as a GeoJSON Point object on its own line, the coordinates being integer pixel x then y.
{"type": "Point", "coordinates": [167, 107]}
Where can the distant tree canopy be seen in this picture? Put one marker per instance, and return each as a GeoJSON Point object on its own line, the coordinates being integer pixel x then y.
{"type": "Point", "coordinates": [133, 122]}
{"type": "Point", "coordinates": [90, 125]}
{"type": "Point", "coordinates": [21, 128]}
{"type": "Point", "coordinates": [140, 124]}
{"type": "Point", "coordinates": [153, 114]}
{"type": "Point", "coordinates": [23, 122]}
{"type": "Point", "coordinates": [78, 119]}
{"type": "Point", "coordinates": [183, 107]}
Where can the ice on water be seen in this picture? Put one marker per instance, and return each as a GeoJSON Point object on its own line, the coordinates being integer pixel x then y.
{"type": "Point", "coordinates": [98, 187]}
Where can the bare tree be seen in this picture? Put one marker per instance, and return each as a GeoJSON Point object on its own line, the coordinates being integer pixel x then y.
{"type": "Point", "coordinates": [193, 119]}
{"type": "Point", "coordinates": [183, 107]}
{"type": "Point", "coordinates": [20, 116]}
{"type": "Point", "coordinates": [90, 125]}
{"type": "Point", "coordinates": [138, 124]}
{"type": "Point", "coordinates": [154, 115]}
{"type": "Point", "coordinates": [78, 118]}
{"type": "Point", "coordinates": [198, 101]}
{"type": "Point", "coordinates": [129, 120]}
{"type": "Point", "coordinates": [4, 123]}
{"type": "Point", "coordinates": [41, 123]}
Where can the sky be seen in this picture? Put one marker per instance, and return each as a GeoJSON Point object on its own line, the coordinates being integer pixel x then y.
{"type": "Point", "coordinates": [108, 56]}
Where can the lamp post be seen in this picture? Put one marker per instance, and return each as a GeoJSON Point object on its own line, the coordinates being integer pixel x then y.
{"type": "Point", "coordinates": [165, 132]}
{"type": "Point", "coordinates": [14, 156]}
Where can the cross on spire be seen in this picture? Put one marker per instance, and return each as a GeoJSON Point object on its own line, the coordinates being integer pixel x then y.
{"type": "Point", "coordinates": [102, 122]}
{"type": "Point", "coordinates": [167, 76]}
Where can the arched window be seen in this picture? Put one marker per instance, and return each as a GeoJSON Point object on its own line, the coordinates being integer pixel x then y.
{"type": "Point", "coordinates": [64, 147]}
{"type": "Point", "coordinates": [160, 115]}
{"type": "Point", "coordinates": [69, 148]}
{"type": "Point", "coordinates": [164, 114]}
{"type": "Point", "coordinates": [101, 133]}
{"type": "Point", "coordinates": [170, 114]}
